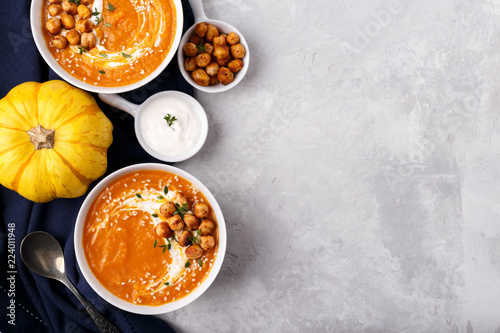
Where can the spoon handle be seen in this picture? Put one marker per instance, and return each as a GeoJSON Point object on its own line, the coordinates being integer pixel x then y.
{"type": "Point", "coordinates": [102, 323]}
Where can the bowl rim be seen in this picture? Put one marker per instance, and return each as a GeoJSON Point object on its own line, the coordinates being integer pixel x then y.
{"type": "Point", "coordinates": [106, 294]}
{"type": "Point", "coordinates": [37, 33]}
{"type": "Point", "coordinates": [219, 87]}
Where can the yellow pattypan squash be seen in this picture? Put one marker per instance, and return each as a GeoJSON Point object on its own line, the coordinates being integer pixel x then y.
{"type": "Point", "coordinates": [54, 140]}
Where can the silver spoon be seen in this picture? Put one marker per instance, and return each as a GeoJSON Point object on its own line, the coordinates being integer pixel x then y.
{"type": "Point", "coordinates": [42, 254]}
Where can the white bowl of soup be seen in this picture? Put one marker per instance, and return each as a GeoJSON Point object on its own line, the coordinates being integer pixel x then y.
{"type": "Point", "coordinates": [107, 46]}
{"type": "Point", "coordinates": [150, 238]}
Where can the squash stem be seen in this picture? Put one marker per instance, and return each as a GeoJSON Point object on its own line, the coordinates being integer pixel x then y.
{"type": "Point", "coordinates": [41, 137]}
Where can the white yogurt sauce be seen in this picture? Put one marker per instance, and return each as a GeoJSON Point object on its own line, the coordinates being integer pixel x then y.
{"type": "Point", "coordinates": [170, 140]}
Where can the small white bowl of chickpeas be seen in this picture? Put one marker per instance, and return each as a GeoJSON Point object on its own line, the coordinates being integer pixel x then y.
{"type": "Point", "coordinates": [213, 56]}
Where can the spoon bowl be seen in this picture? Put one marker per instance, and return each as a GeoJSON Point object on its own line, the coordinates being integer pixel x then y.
{"type": "Point", "coordinates": [42, 254]}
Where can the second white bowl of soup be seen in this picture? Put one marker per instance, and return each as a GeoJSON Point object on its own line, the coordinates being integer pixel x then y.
{"type": "Point", "coordinates": [141, 254]}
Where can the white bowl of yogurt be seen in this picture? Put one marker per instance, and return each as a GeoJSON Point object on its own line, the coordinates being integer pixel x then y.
{"type": "Point", "coordinates": [171, 126]}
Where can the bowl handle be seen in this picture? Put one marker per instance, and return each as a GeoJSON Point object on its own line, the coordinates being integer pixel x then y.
{"type": "Point", "coordinates": [120, 103]}
{"type": "Point", "coordinates": [197, 7]}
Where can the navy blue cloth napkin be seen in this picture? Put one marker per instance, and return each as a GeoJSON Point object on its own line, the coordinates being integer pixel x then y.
{"type": "Point", "coordinates": [41, 304]}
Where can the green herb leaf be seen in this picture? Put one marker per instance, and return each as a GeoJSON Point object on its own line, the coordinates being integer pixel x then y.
{"type": "Point", "coordinates": [167, 284]}
{"type": "Point", "coordinates": [110, 7]}
{"type": "Point", "coordinates": [97, 20]}
{"type": "Point", "coordinates": [200, 262]}
{"type": "Point", "coordinates": [170, 120]}
{"type": "Point", "coordinates": [164, 248]}
{"type": "Point", "coordinates": [154, 215]}
{"type": "Point", "coordinates": [187, 264]}
{"type": "Point", "coordinates": [82, 50]}
{"type": "Point", "coordinates": [196, 239]}
{"type": "Point", "coordinates": [169, 246]}
{"type": "Point", "coordinates": [75, 1]}
{"type": "Point", "coordinates": [126, 55]}
{"type": "Point", "coordinates": [201, 48]}
{"type": "Point", "coordinates": [165, 190]}
{"type": "Point", "coordinates": [181, 210]}
{"type": "Point", "coordinates": [102, 72]}
{"type": "Point", "coordinates": [107, 24]}
{"type": "Point", "coordinates": [138, 195]}
{"type": "Point", "coordinates": [95, 13]}
{"type": "Point", "coordinates": [104, 55]}
{"type": "Point", "coordinates": [160, 197]}
{"type": "Point", "coordinates": [156, 242]}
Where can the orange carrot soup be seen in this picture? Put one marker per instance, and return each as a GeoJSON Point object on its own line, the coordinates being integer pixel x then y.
{"type": "Point", "coordinates": [150, 237]}
{"type": "Point", "coordinates": [109, 43]}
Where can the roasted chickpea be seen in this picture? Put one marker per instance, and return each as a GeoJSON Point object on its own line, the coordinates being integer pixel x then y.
{"type": "Point", "coordinates": [55, 1]}
{"type": "Point", "coordinates": [201, 77]}
{"type": "Point", "coordinates": [73, 37]}
{"type": "Point", "coordinates": [190, 50]}
{"type": "Point", "coordinates": [180, 199]}
{"type": "Point", "coordinates": [201, 210]}
{"type": "Point", "coordinates": [163, 230]}
{"type": "Point", "coordinates": [201, 29]}
{"type": "Point", "coordinates": [86, 2]}
{"type": "Point", "coordinates": [190, 64]}
{"type": "Point", "coordinates": [219, 41]}
{"type": "Point", "coordinates": [207, 227]}
{"type": "Point", "coordinates": [175, 223]}
{"type": "Point", "coordinates": [225, 75]}
{"type": "Point", "coordinates": [191, 221]}
{"type": "Point", "coordinates": [197, 40]}
{"type": "Point", "coordinates": [167, 209]}
{"type": "Point", "coordinates": [238, 51]}
{"type": "Point", "coordinates": [54, 9]}
{"type": "Point", "coordinates": [224, 62]}
{"type": "Point", "coordinates": [70, 7]}
{"type": "Point", "coordinates": [53, 26]}
{"type": "Point", "coordinates": [207, 242]}
{"type": "Point", "coordinates": [213, 80]}
{"type": "Point", "coordinates": [84, 12]}
{"type": "Point", "coordinates": [68, 21]}
{"type": "Point", "coordinates": [235, 65]}
{"type": "Point", "coordinates": [194, 251]}
{"type": "Point", "coordinates": [84, 26]}
{"type": "Point", "coordinates": [183, 238]}
{"type": "Point", "coordinates": [209, 48]}
{"type": "Point", "coordinates": [221, 50]}
{"type": "Point", "coordinates": [89, 40]}
{"type": "Point", "coordinates": [59, 42]}
{"type": "Point", "coordinates": [211, 33]}
{"type": "Point", "coordinates": [203, 59]}
{"type": "Point", "coordinates": [212, 68]}
{"type": "Point", "coordinates": [232, 38]}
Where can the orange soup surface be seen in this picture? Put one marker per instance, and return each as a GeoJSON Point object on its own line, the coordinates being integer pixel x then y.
{"type": "Point", "coordinates": [133, 38]}
{"type": "Point", "coordinates": [125, 253]}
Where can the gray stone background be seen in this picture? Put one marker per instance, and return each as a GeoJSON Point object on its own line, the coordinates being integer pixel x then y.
{"type": "Point", "coordinates": [358, 168]}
